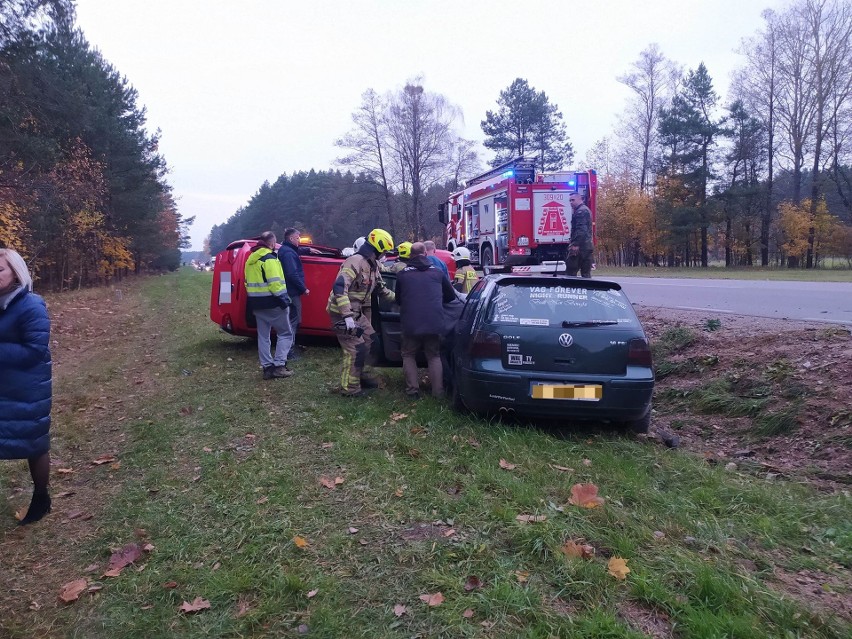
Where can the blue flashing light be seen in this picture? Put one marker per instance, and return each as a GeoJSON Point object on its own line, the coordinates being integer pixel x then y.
{"type": "Point", "coordinates": [572, 182]}
{"type": "Point", "coordinates": [508, 174]}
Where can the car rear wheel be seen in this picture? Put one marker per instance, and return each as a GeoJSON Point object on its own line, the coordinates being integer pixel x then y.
{"type": "Point", "coordinates": [640, 426]}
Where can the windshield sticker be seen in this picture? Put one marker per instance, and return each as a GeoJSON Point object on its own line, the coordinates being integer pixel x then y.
{"type": "Point", "coordinates": [505, 399]}
{"type": "Point", "coordinates": [513, 348]}
{"type": "Point", "coordinates": [610, 299]}
{"type": "Point", "coordinates": [534, 321]}
{"type": "Point", "coordinates": [507, 318]}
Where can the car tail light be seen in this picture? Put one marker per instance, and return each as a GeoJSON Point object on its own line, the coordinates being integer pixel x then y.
{"type": "Point", "coordinates": [639, 353]}
{"type": "Point", "coordinates": [484, 345]}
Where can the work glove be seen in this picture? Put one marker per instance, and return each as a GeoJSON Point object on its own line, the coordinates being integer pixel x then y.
{"type": "Point", "coordinates": [350, 323]}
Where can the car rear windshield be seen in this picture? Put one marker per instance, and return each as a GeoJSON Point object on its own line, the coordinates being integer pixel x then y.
{"type": "Point", "coordinates": [558, 304]}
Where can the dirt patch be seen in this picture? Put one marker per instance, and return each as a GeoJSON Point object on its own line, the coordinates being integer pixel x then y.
{"type": "Point", "coordinates": [823, 592]}
{"type": "Point", "coordinates": [652, 623]}
{"type": "Point", "coordinates": [420, 532]}
{"type": "Point", "coordinates": [806, 366]}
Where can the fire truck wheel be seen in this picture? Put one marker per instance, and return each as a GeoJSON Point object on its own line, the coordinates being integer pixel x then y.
{"type": "Point", "coordinates": [487, 257]}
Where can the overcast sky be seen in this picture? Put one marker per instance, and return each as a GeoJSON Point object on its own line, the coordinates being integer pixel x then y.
{"type": "Point", "coordinates": [246, 90]}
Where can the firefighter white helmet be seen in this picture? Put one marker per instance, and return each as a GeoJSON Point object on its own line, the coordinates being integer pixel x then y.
{"type": "Point", "coordinates": [359, 242]}
{"type": "Point", "coordinates": [461, 253]}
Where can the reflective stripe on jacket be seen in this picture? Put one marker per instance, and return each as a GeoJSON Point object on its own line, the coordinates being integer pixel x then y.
{"type": "Point", "coordinates": [265, 284]}
{"type": "Point", "coordinates": [353, 288]}
{"type": "Point", "coordinates": [465, 279]}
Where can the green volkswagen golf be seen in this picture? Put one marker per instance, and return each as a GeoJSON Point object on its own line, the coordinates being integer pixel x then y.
{"type": "Point", "coordinates": [553, 346]}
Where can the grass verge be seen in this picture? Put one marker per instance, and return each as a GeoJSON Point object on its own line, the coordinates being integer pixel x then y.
{"type": "Point", "coordinates": [222, 474]}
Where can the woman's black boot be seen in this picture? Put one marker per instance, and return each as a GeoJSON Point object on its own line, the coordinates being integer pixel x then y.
{"type": "Point", "coordinates": [39, 507]}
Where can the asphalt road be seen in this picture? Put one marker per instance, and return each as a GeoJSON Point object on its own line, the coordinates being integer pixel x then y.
{"type": "Point", "coordinates": [808, 301]}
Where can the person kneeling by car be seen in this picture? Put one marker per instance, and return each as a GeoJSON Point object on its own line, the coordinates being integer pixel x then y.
{"type": "Point", "coordinates": [268, 300]}
{"type": "Point", "coordinates": [421, 290]}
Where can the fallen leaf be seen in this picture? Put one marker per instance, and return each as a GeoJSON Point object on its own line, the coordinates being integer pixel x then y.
{"type": "Point", "coordinates": [472, 583]}
{"type": "Point", "coordinates": [338, 481]}
{"type": "Point", "coordinates": [262, 500]}
{"type": "Point", "coordinates": [312, 594]}
{"type": "Point", "coordinates": [72, 590]}
{"type": "Point", "coordinates": [148, 547]}
{"type": "Point", "coordinates": [578, 550]}
{"type": "Point", "coordinates": [113, 572]}
{"type": "Point", "coordinates": [399, 610]}
{"type": "Point", "coordinates": [67, 493]}
{"type": "Point", "coordinates": [506, 465]}
{"type": "Point", "coordinates": [585, 495]}
{"type": "Point", "coordinates": [328, 483]}
{"type": "Point", "coordinates": [21, 513]}
{"type": "Point", "coordinates": [417, 430]}
{"type": "Point", "coordinates": [564, 469]}
{"type": "Point", "coordinates": [126, 555]}
{"type": "Point", "coordinates": [522, 576]}
{"type": "Point", "coordinates": [91, 568]}
{"type": "Point", "coordinates": [169, 585]}
{"type": "Point", "coordinates": [395, 417]}
{"type": "Point", "coordinates": [449, 532]}
{"type": "Point", "coordinates": [115, 466]}
{"type": "Point", "coordinates": [399, 492]}
{"type": "Point", "coordinates": [198, 604]}
{"type": "Point", "coordinates": [95, 588]}
{"type": "Point", "coordinates": [487, 624]}
{"type": "Point", "coordinates": [243, 608]}
{"type": "Point", "coordinates": [587, 462]}
{"type": "Point", "coordinates": [104, 459]}
{"type": "Point", "coordinates": [300, 542]}
{"type": "Point", "coordinates": [659, 535]}
{"type": "Point", "coordinates": [467, 614]}
{"type": "Point", "coordinates": [327, 445]}
{"type": "Point", "coordinates": [531, 518]}
{"type": "Point", "coordinates": [207, 449]}
{"type": "Point", "coordinates": [433, 600]}
{"type": "Point", "coordinates": [363, 542]}
{"type": "Point", "coordinates": [617, 567]}
{"type": "Point", "coordinates": [352, 530]}
{"type": "Point", "coordinates": [64, 471]}
{"type": "Point", "coordinates": [473, 442]}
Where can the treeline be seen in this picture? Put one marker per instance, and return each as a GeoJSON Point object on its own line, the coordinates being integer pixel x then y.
{"type": "Point", "coordinates": [332, 207]}
{"type": "Point", "coordinates": [83, 194]}
{"type": "Point", "coordinates": [764, 177]}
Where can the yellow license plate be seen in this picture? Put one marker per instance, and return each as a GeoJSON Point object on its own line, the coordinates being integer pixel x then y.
{"type": "Point", "coordinates": [580, 392]}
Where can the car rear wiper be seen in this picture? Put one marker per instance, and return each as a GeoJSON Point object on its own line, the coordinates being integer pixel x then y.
{"type": "Point", "coordinates": [575, 324]}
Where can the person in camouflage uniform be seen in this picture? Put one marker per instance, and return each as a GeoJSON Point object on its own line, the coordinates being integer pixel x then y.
{"type": "Point", "coordinates": [349, 306]}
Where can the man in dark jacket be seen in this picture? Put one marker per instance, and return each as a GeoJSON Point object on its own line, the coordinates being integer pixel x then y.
{"type": "Point", "coordinates": [294, 276]}
{"type": "Point", "coordinates": [581, 248]}
{"type": "Point", "coordinates": [421, 290]}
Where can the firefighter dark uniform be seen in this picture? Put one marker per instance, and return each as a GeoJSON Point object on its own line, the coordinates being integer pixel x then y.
{"type": "Point", "coordinates": [350, 301]}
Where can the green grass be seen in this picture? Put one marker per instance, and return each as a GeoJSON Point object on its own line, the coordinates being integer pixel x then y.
{"type": "Point", "coordinates": [222, 510]}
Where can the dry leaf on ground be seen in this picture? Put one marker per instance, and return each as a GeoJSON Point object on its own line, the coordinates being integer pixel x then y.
{"type": "Point", "coordinates": [617, 567]}
{"type": "Point", "coordinates": [125, 556]}
{"type": "Point", "coordinates": [300, 542]}
{"type": "Point", "coordinates": [564, 469]}
{"type": "Point", "coordinates": [435, 599]}
{"type": "Point", "coordinates": [578, 549]}
{"type": "Point", "coordinates": [467, 614]}
{"type": "Point", "coordinates": [198, 604]}
{"type": "Point", "coordinates": [312, 593]}
{"type": "Point", "coordinates": [399, 610]}
{"type": "Point", "coordinates": [395, 417]}
{"type": "Point", "coordinates": [104, 459]}
{"type": "Point", "coordinates": [522, 576]}
{"type": "Point", "coordinates": [531, 518]}
{"type": "Point", "coordinates": [327, 482]}
{"type": "Point", "coordinates": [507, 465]}
{"type": "Point", "coordinates": [72, 590]}
{"type": "Point", "coordinates": [585, 495]}
{"type": "Point", "coordinates": [472, 583]}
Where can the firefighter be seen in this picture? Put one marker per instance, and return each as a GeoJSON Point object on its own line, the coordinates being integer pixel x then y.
{"type": "Point", "coordinates": [349, 308]}
{"type": "Point", "coordinates": [466, 277]}
{"type": "Point", "coordinates": [581, 248]}
{"type": "Point", "coordinates": [403, 252]}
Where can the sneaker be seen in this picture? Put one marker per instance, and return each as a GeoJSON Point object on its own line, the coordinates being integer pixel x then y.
{"type": "Point", "coordinates": [268, 372]}
{"type": "Point", "coordinates": [281, 371]}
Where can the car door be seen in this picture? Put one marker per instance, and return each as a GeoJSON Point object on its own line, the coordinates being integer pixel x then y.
{"type": "Point", "coordinates": [387, 342]}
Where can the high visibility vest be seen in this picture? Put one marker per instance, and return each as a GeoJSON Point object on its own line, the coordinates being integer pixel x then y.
{"type": "Point", "coordinates": [264, 279]}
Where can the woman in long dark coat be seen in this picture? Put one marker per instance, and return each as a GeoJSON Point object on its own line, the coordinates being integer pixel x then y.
{"type": "Point", "coordinates": [25, 378]}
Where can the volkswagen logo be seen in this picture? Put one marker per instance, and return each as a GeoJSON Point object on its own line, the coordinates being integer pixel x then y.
{"type": "Point", "coordinates": [566, 340]}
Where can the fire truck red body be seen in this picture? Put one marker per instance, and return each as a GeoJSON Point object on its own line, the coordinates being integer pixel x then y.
{"type": "Point", "coordinates": [513, 215]}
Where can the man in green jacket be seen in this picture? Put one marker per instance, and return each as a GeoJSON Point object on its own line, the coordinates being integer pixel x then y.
{"type": "Point", "coordinates": [268, 300]}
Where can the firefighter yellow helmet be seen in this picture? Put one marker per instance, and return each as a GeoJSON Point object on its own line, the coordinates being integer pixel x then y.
{"type": "Point", "coordinates": [380, 240]}
{"type": "Point", "coordinates": [404, 250]}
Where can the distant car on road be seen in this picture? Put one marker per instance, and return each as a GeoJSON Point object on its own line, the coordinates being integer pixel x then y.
{"type": "Point", "coordinates": [553, 346]}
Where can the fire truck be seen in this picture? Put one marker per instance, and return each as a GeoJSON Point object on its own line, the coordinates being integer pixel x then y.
{"type": "Point", "coordinates": [514, 215]}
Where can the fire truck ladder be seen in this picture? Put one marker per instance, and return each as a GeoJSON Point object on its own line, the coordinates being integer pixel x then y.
{"type": "Point", "coordinates": [523, 169]}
